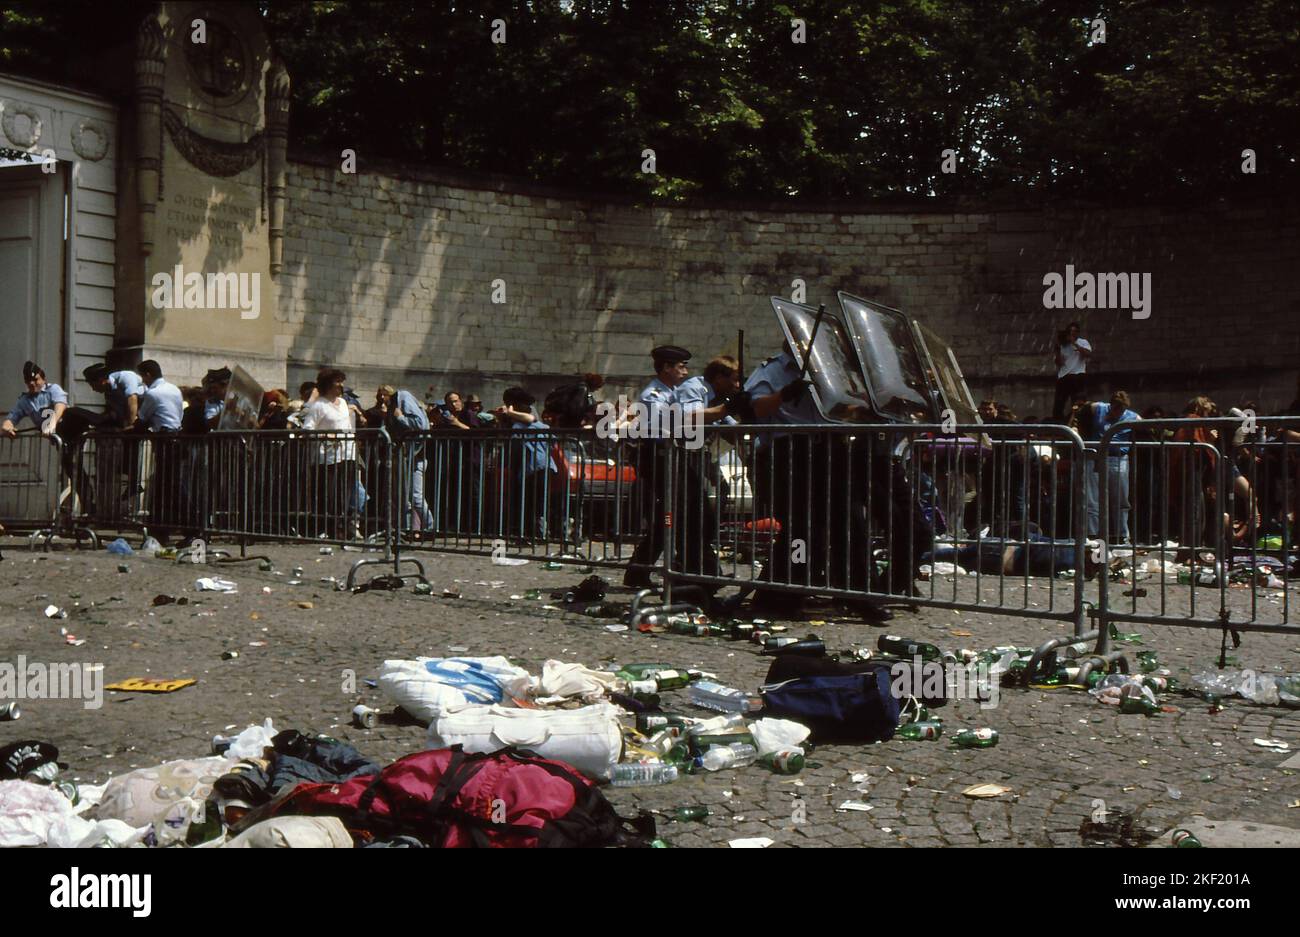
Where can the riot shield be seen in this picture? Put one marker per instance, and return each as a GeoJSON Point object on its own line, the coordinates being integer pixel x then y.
{"type": "Point", "coordinates": [837, 389]}
{"type": "Point", "coordinates": [892, 361]}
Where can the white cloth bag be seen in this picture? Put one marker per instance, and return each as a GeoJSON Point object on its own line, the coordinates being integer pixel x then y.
{"type": "Point", "coordinates": [588, 738]}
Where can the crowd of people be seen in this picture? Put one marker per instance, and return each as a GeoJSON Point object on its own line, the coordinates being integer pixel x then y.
{"type": "Point", "coordinates": [1008, 490]}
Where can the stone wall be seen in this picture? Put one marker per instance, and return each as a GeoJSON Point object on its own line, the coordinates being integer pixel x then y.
{"type": "Point", "coordinates": [390, 273]}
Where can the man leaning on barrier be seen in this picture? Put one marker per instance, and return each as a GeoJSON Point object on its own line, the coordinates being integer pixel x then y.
{"type": "Point", "coordinates": [161, 409]}
{"type": "Point", "coordinates": [403, 417]}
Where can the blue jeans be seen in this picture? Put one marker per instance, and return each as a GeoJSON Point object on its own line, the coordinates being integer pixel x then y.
{"type": "Point", "coordinates": [1117, 473]}
{"type": "Point", "coordinates": [416, 503]}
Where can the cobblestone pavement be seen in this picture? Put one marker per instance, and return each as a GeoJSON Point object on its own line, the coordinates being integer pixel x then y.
{"type": "Point", "coordinates": [1060, 752]}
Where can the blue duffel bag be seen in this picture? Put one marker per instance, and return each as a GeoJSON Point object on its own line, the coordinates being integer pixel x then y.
{"type": "Point", "coordinates": [849, 708]}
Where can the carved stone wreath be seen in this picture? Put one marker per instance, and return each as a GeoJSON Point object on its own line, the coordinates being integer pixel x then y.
{"type": "Point", "coordinates": [90, 140]}
{"type": "Point", "coordinates": [215, 157]}
{"type": "Point", "coordinates": [23, 136]}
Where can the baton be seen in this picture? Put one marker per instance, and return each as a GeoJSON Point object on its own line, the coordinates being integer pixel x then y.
{"type": "Point", "coordinates": [817, 324]}
{"type": "Point", "coordinates": [740, 354]}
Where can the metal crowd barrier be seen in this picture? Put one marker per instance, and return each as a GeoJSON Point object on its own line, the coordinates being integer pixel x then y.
{"type": "Point", "coordinates": [985, 517]}
{"type": "Point", "coordinates": [543, 493]}
{"type": "Point", "coordinates": [34, 496]}
{"type": "Point", "coordinates": [1199, 530]}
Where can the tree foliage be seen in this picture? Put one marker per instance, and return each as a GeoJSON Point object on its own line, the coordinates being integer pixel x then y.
{"type": "Point", "coordinates": [864, 107]}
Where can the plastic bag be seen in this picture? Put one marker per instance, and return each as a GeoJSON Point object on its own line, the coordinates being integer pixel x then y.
{"type": "Point", "coordinates": [427, 687]}
{"type": "Point", "coordinates": [251, 742]}
{"type": "Point", "coordinates": [561, 679]}
{"type": "Point", "coordinates": [1111, 688]}
{"type": "Point", "coordinates": [29, 812]}
{"type": "Point", "coordinates": [167, 797]}
{"type": "Point", "coordinates": [774, 735]}
{"type": "Point", "coordinates": [120, 547]}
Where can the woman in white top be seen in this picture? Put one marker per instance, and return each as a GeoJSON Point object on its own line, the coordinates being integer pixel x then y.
{"type": "Point", "coordinates": [335, 478]}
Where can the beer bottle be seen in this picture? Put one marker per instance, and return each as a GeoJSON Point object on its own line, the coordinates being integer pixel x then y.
{"type": "Point", "coordinates": [787, 761]}
{"type": "Point", "coordinates": [976, 738]}
{"type": "Point", "coordinates": [919, 731]}
{"type": "Point", "coordinates": [907, 649]}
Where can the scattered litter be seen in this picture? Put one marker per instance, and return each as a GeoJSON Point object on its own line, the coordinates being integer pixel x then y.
{"type": "Point", "coordinates": [616, 628]}
{"type": "Point", "coordinates": [257, 644]}
{"type": "Point", "coordinates": [508, 561]}
{"type": "Point", "coordinates": [120, 547]}
{"type": "Point", "coordinates": [150, 685]}
{"type": "Point", "coordinates": [757, 842]}
{"type": "Point", "coordinates": [857, 805]}
{"type": "Point", "coordinates": [74, 640]}
{"type": "Point", "coordinates": [53, 611]}
{"type": "Point", "coordinates": [1275, 744]}
{"type": "Point", "coordinates": [212, 584]}
{"type": "Point", "coordinates": [306, 604]}
{"type": "Point", "coordinates": [986, 790]}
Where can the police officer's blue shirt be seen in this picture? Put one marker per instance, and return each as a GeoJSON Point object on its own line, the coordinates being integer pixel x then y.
{"type": "Point", "coordinates": [770, 378]}
{"type": "Point", "coordinates": [657, 397]}
{"type": "Point", "coordinates": [32, 403]}
{"type": "Point", "coordinates": [122, 385]}
{"type": "Point", "coordinates": [536, 455]}
{"type": "Point", "coordinates": [410, 412]}
{"type": "Point", "coordinates": [161, 406]}
{"type": "Point", "coordinates": [695, 393]}
{"type": "Point", "coordinates": [212, 408]}
{"type": "Point", "coordinates": [1106, 417]}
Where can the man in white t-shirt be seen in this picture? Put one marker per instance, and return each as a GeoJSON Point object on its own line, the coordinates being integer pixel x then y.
{"type": "Point", "coordinates": [1072, 354]}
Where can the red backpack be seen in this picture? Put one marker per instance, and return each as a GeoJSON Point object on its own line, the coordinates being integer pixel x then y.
{"type": "Point", "coordinates": [450, 799]}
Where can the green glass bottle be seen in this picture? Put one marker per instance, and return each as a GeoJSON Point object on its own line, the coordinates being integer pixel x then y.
{"type": "Point", "coordinates": [1185, 839]}
{"type": "Point", "coordinates": [905, 648]}
{"type": "Point", "coordinates": [671, 679]}
{"type": "Point", "coordinates": [643, 671]}
{"type": "Point", "coordinates": [685, 814]}
{"type": "Point", "coordinates": [653, 722]}
{"type": "Point", "coordinates": [1136, 703]}
{"type": "Point", "coordinates": [920, 731]}
{"type": "Point", "coordinates": [783, 762]}
{"type": "Point", "coordinates": [703, 742]}
{"type": "Point", "coordinates": [975, 738]}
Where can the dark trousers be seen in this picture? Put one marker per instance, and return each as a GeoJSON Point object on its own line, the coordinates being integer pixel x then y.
{"type": "Point", "coordinates": [331, 503]}
{"type": "Point", "coordinates": [694, 520]}
{"type": "Point", "coordinates": [1066, 388]}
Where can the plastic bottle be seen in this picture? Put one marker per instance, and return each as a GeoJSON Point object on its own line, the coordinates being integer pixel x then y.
{"type": "Point", "coordinates": [975, 738]}
{"type": "Point", "coordinates": [918, 731]}
{"type": "Point", "coordinates": [735, 755]}
{"type": "Point", "coordinates": [786, 761]}
{"type": "Point", "coordinates": [640, 775]}
{"type": "Point", "coordinates": [710, 695]}
{"type": "Point", "coordinates": [728, 723]}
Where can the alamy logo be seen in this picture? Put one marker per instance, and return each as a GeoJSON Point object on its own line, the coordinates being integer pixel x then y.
{"type": "Point", "coordinates": [75, 890]}
{"type": "Point", "coordinates": [650, 421]}
{"type": "Point", "coordinates": [929, 678]}
{"type": "Point", "coordinates": [1100, 291]}
{"type": "Point", "coordinates": [181, 290]}
{"type": "Point", "coordinates": [22, 681]}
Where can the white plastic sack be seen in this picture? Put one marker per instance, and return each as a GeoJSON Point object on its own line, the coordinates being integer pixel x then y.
{"type": "Point", "coordinates": [166, 797]}
{"type": "Point", "coordinates": [77, 833]}
{"type": "Point", "coordinates": [426, 696]}
{"type": "Point", "coordinates": [251, 742]}
{"type": "Point", "coordinates": [589, 738]}
{"type": "Point", "coordinates": [561, 679]}
{"type": "Point", "coordinates": [294, 833]}
{"type": "Point", "coordinates": [774, 735]}
{"type": "Point", "coordinates": [29, 812]}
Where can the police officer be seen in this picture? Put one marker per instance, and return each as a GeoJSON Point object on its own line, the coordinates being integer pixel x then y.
{"type": "Point", "coordinates": [161, 409]}
{"type": "Point", "coordinates": [695, 520]}
{"type": "Point", "coordinates": [809, 482]}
